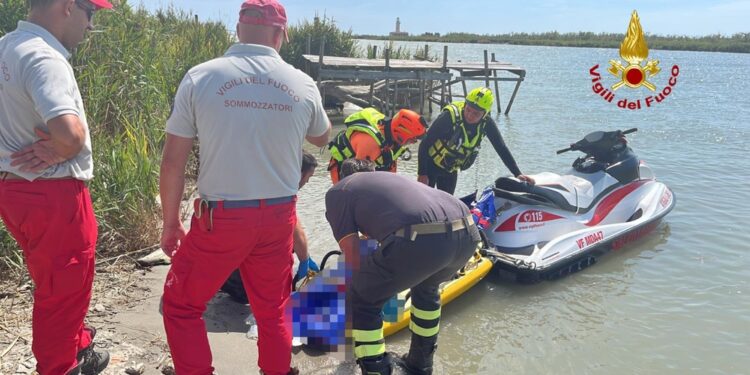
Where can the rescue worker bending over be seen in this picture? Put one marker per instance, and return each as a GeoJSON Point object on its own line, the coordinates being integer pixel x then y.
{"type": "Point", "coordinates": [453, 141]}
{"type": "Point", "coordinates": [425, 237]}
{"type": "Point", "coordinates": [368, 135]}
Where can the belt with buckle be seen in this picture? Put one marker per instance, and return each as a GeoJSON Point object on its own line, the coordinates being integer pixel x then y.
{"type": "Point", "coordinates": [251, 202]}
{"type": "Point", "coordinates": [6, 176]}
{"type": "Point", "coordinates": [411, 232]}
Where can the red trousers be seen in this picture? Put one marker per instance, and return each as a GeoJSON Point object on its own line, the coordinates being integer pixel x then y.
{"type": "Point", "coordinates": [53, 222]}
{"type": "Point", "coordinates": [258, 241]}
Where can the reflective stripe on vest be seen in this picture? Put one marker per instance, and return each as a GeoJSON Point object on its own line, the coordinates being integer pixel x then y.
{"type": "Point", "coordinates": [365, 121]}
{"type": "Point", "coordinates": [450, 154]}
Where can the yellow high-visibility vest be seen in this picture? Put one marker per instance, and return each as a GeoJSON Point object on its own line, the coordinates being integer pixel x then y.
{"type": "Point", "coordinates": [458, 152]}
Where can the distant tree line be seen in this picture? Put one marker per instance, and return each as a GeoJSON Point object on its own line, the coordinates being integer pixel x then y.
{"type": "Point", "coordinates": [338, 42]}
{"type": "Point", "coordinates": [739, 42]}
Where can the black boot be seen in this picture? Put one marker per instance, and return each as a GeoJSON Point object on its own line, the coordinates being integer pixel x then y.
{"type": "Point", "coordinates": [380, 365]}
{"type": "Point", "coordinates": [92, 333]}
{"type": "Point", "coordinates": [92, 362]}
{"type": "Point", "coordinates": [292, 371]}
{"type": "Point", "coordinates": [75, 371]}
{"type": "Point", "coordinates": [421, 351]}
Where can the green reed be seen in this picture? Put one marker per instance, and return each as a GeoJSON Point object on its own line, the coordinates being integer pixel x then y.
{"type": "Point", "coordinates": [401, 52]}
{"type": "Point", "coordinates": [338, 42]}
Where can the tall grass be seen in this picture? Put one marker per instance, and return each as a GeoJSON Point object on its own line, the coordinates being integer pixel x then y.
{"type": "Point", "coordinates": [401, 52]}
{"type": "Point", "coordinates": [337, 42]}
{"type": "Point", "coordinates": [10, 12]}
{"type": "Point", "coordinates": [128, 70]}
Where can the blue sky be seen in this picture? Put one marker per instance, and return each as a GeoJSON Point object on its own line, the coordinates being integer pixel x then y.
{"type": "Point", "coordinates": [687, 17]}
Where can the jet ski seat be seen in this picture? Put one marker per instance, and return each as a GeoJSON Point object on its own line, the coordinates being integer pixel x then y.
{"type": "Point", "coordinates": [509, 188]}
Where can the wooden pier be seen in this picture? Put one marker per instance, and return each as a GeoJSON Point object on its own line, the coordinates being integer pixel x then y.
{"type": "Point", "coordinates": [390, 84]}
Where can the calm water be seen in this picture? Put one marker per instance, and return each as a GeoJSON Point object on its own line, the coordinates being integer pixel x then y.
{"type": "Point", "coordinates": [677, 302]}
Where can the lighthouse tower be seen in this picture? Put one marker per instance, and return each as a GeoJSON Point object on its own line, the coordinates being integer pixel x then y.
{"type": "Point", "coordinates": [398, 31]}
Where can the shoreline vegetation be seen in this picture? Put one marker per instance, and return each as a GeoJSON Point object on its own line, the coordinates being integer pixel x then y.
{"type": "Point", "coordinates": [738, 43]}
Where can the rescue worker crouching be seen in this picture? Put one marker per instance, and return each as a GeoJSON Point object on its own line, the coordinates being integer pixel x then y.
{"type": "Point", "coordinates": [425, 237]}
{"type": "Point", "coordinates": [368, 135]}
{"type": "Point", "coordinates": [453, 141]}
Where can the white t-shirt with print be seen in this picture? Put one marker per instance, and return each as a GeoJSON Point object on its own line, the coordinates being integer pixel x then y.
{"type": "Point", "coordinates": [251, 112]}
{"type": "Point", "coordinates": [37, 84]}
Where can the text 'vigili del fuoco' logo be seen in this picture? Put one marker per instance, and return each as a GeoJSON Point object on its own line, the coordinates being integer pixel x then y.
{"type": "Point", "coordinates": [636, 73]}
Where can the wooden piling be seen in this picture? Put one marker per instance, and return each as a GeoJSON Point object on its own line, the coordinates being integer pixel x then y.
{"type": "Point", "coordinates": [387, 93]}
{"type": "Point", "coordinates": [497, 90]}
{"type": "Point", "coordinates": [308, 50]}
{"type": "Point", "coordinates": [320, 67]}
{"type": "Point", "coordinates": [443, 83]}
{"type": "Point", "coordinates": [486, 70]}
{"type": "Point", "coordinates": [395, 97]}
{"type": "Point", "coordinates": [372, 89]}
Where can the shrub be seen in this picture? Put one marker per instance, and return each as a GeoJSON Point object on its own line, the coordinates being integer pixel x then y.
{"type": "Point", "coordinates": [337, 41]}
{"type": "Point", "coordinates": [10, 12]}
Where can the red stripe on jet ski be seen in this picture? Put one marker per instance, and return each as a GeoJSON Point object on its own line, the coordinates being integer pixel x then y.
{"type": "Point", "coordinates": [508, 225]}
{"type": "Point", "coordinates": [609, 202]}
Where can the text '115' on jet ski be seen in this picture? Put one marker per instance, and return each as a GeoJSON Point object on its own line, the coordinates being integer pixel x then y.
{"type": "Point", "coordinates": [564, 222]}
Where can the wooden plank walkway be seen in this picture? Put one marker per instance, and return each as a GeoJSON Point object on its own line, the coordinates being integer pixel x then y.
{"type": "Point", "coordinates": [386, 74]}
{"type": "Point", "coordinates": [357, 62]}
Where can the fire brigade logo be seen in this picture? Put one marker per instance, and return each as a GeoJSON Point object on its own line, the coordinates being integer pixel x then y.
{"type": "Point", "coordinates": [637, 71]}
{"type": "Point", "coordinates": [634, 50]}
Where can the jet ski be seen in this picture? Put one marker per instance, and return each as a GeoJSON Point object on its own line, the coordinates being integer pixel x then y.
{"type": "Point", "coordinates": [564, 222]}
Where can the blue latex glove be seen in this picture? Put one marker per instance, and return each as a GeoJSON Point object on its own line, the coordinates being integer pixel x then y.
{"type": "Point", "coordinates": [304, 266]}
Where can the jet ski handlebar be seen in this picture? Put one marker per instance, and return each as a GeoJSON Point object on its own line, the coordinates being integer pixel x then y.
{"type": "Point", "coordinates": [577, 145]}
{"type": "Point", "coordinates": [566, 149]}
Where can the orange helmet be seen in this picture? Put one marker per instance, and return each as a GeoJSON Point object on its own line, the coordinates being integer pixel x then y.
{"type": "Point", "coordinates": [407, 126]}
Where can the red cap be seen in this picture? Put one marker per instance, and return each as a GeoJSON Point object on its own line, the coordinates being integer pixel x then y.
{"type": "Point", "coordinates": [101, 4]}
{"type": "Point", "coordinates": [263, 12]}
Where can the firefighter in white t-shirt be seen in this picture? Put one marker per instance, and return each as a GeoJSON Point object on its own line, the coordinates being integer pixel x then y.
{"type": "Point", "coordinates": [251, 112]}
{"type": "Point", "coordinates": [45, 161]}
